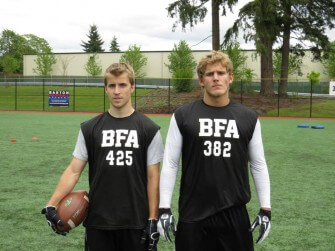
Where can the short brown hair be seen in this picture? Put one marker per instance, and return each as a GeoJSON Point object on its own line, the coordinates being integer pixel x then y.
{"type": "Point", "coordinates": [117, 69]}
{"type": "Point", "coordinates": [212, 58]}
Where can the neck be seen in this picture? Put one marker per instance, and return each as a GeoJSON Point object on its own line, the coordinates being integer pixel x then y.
{"type": "Point", "coordinates": [216, 101]}
{"type": "Point", "coordinates": [121, 113]}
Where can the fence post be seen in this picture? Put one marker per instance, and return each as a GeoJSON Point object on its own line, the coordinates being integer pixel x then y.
{"type": "Point", "coordinates": [278, 99]}
{"type": "Point", "coordinates": [103, 89]}
{"type": "Point", "coordinates": [241, 86]}
{"type": "Point", "coordinates": [15, 94]}
{"type": "Point", "coordinates": [169, 97]}
{"type": "Point", "coordinates": [310, 106]}
{"type": "Point", "coordinates": [74, 95]}
{"type": "Point", "coordinates": [135, 94]}
{"type": "Point", "coordinates": [43, 94]}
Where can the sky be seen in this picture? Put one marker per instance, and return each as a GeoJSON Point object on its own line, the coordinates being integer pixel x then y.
{"type": "Point", "coordinates": [65, 23]}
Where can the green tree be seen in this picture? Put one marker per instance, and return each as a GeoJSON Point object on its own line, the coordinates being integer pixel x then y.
{"type": "Point", "coordinates": [238, 58]}
{"type": "Point", "coordinates": [114, 46]}
{"type": "Point", "coordinates": [35, 44]}
{"type": "Point", "coordinates": [182, 65]}
{"type": "Point", "coordinates": [44, 61]}
{"type": "Point", "coordinates": [93, 67]}
{"type": "Point", "coordinates": [13, 46]}
{"type": "Point", "coordinates": [136, 59]}
{"type": "Point", "coordinates": [193, 12]}
{"type": "Point", "coordinates": [11, 52]}
{"type": "Point", "coordinates": [294, 64]}
{"type": "Point", "coordinates": [259, 21]}
{"type": "Point", "coordinates": [303, 20]}
{"type": "Point", "coordinates": [329, 61]}
{"type": "Point", "coordinates": [9, 64]}
{"type": "Point", "coordinates": [314, 77]}
{"type": "Point", "coordinates": [94, 43]}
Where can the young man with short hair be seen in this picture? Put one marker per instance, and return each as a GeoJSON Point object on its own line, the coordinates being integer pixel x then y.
{"type": "Point", "coordinates": [217, 138]}
{"type": "Point", "coordinates": [124, 149]}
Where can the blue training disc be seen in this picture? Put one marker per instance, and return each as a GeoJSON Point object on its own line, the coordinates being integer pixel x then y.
{"type": "Point", "coordinates": [318, 127]}
{"type": "Point", "coordinates": [303, 126]}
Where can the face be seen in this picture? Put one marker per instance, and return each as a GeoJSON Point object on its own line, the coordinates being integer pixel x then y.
{"type": "Point", "coordinates": [119, 91]}
{"type": "Point", "coordinates": [216, 81]}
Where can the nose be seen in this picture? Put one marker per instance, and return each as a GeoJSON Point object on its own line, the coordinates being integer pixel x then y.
{"type": "Point", "coordinates": [215, 76]}
{"type": "Point", "coordinates": [117, 89]}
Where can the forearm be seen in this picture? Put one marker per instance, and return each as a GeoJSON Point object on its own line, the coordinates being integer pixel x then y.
{"type": "Point", "coordinates": [259, 169]}
{"type": "Point", "coordinates": [67, 181]}
{"type": "Point", "coordinates": [173, 146]}
{"type": "Point", "coordinates": [153, 190]}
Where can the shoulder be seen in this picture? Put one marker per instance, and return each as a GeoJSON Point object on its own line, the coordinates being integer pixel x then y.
{"type": "Point", "coordinates": [245, 117]}
{"type": "Point", "coordinates": [188, 109]}
{"type": "Point", "coordinates": [145, 121]}
{"type": "Point", "coordinates": [243, 110]}
{"type": "Point", "coordinates": [92, 122]}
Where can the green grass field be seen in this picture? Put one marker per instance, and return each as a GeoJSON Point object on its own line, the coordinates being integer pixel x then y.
{"type": "Point", "coordinates": [301, 166]}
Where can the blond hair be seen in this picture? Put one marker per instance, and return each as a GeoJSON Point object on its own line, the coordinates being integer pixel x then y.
{"type": "Point", "coordinates": [212, 58]}
{"type": "Point", "coordinates": [117, 69]}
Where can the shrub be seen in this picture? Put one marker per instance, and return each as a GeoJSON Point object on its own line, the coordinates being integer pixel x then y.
{"type": "Point", "coordinates": [182, 79]}
{"type": "Point", "coordinates": [314, 77]}
{"type": "Point", "coordinates": [182, 65]}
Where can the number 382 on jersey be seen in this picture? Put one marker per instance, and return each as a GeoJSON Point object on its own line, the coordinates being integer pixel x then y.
{"type": "Point", "coordinates": [217, 129]}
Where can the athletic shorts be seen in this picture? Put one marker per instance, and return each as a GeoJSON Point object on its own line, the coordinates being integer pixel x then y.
{"type": "Point", "coordinates": [114, 240]}
{"type": "Point", "coordinates": [227, 230]}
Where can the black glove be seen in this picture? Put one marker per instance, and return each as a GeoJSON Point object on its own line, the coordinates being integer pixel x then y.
{"type": "Point", "coordinates": [263, 219]}
{"type": "Point", "coordinates": [166, 222]}
{"type": "Point", "coordinates": [53, 219]}
{"type": "Point", "coordinates": [150, 235]}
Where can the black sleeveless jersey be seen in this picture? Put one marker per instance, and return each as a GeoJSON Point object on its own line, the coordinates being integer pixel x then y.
{"type": "Point", "coordinates": [214, 158]}
{"type": "Point", "coordinates": [117, 157]}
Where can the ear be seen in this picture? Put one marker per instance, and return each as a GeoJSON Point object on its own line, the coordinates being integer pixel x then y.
{"type": "Point", "coordinates": [231, 80]}
{"type": "Point", "coordinates": [132, 87]}
{"type": "Point", "coordinates": [200, 79]}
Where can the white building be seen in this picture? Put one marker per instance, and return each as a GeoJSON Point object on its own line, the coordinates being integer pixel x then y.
{"type": "Point", "coordinates": [156, 65]}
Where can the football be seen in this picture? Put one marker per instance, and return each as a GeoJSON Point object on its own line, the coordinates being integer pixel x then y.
{"type": "Point", "coordinates": [72, 210]}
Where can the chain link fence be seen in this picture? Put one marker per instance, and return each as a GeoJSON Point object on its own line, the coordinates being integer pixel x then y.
{"type": "Point", "coordinates": [157, 96]}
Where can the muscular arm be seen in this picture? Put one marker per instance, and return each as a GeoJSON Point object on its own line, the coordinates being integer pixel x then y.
{"type": "Point", "coordinates": [169, 171]}
{"type": "Point", "coordinates": [67, 181]}
{"type": "Point", "coordinates": [259, 169]}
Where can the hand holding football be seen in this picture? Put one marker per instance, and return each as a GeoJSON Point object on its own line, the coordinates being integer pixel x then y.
{"type": "Point", "coordinates": [72, 210]}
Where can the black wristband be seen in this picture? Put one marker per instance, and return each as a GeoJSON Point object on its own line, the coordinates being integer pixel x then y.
{"type": "Point", "coordinates": [266, 213]}
{"type": "Point", "coordinates": [164, 211]}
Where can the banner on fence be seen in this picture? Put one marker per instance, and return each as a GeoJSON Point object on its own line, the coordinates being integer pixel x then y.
{"type": "Point", "coordinates": [59, 98]}
{"type": "Point", "coordinates": [332, 87]}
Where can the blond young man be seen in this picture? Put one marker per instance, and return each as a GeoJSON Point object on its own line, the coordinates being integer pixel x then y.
{"type": "Point", "coordinates": [123, 149]}
{"type": "Point", "coordinates": [216, 138]}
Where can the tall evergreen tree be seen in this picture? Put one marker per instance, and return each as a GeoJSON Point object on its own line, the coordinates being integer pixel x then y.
{"type": "Point", "coordinates": [114, 46]}
{"type": "Point", "coordinates": [329, 61]}
{"type": "Point", "coordinates": [94, 43]}
{"type": "Point", "coordinates": [259, 21]}
{"type": "Point", "coordinates": [305, 21]}
{"type": "Point", "coordinates": [193, 11]}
